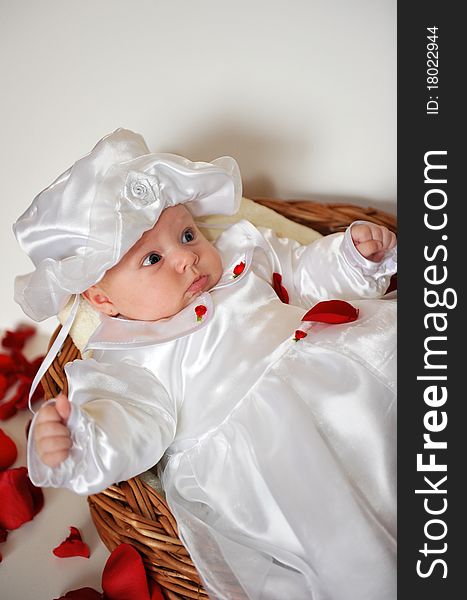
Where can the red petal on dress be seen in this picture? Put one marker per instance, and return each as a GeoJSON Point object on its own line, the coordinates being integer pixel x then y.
{"type": "Point", "coordinates": [279, 288]}
{"type": "Point", "coordinates": [72, 546]}
{"type": "Point", "coordinates": [8, 451]}
{"type": "Point", "coordinates": [21, 500]}
{"type": "Point", "coordinates": [124, 577]}
{"type": "Point", "coordinates": [392, 284]}
{"type": "Point", "coordinates": [299, 335]}
{"type": "Point", "coordinates": [332, 311]}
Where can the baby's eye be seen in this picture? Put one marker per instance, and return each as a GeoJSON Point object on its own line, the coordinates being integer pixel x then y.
{"type": "Point", "coordinates": [151, 259]}
{"type": "Point", "coordinates": [188, 236]}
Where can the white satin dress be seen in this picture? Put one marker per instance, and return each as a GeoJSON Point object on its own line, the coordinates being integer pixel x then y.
{"type": "Point", "coordinates": [278, 456]}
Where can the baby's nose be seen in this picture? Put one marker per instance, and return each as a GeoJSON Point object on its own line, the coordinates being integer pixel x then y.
{"type": "Point", "coordinates": [183, 258]}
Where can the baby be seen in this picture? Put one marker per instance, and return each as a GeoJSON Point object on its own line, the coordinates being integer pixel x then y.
{"type": "Point", "coordinates": [275, 436]}
{"type": "Point", "coordinates": [171, 265]}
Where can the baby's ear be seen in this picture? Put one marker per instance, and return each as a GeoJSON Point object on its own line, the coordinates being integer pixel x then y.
{"type": "Point", "coordinates": [96, 296]}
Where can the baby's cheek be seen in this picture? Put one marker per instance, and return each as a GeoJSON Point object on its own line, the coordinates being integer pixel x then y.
{"type": "Point", "coordinates": [217, 266]}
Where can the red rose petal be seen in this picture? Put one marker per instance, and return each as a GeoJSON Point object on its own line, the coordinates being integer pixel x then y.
{"type": "Point", "coordinates": [392, 284]}
{"type": "Point", "coordinates": [19, 360]}
{"type": "Point", "coordinates": [279, 288]}
{"type": "Point", "coordinates": [85, 593]}
{"type": "Point", "coordinates": [4, 385]}
{"type": "Point", "coordinates": [299, 335]}
{"type": "Point", "coordinates": [124, 577]}
{"type": "Point", "coordinates": [15, 368]}
{"type": "Point", "coordinates": [21, 397]}
{"type": "Point", "coordinates": [8, 451]}
{"type": "Point", "coordinates": [72, 546]}
{"type": "Point", "coordinates": [20, 400]}
{"type": "Point", "coordinates": [7, 410]}
{"type": "Point", "coordinates": [30, 368]}
{"type": "Point", "coordinates": [17, 338]}
{"type": "Point", "coordinates": [156, 592]}
{"type": "Point", "coordinates": [332, 311]}
{"type": "Point", "coordinates": [21, 391]}
{"type": "Point", "coordinates": [3, 534]}
{"type": "Point", "coordinates": [7, 364]}
{"type": "Point", "coordinates": [21, 500]}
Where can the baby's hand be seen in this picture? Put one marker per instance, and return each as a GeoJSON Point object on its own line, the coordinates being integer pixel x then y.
{"type": "Point", "coordinates": [372, 241]}
{"type": "Point", "coordinates": [51, 435]}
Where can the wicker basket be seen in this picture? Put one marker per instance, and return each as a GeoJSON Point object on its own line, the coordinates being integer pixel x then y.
{"type": "Point", "coordinates": [132, 511]}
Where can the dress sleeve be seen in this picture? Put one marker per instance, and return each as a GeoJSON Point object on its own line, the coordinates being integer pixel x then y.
{"type": "Point", "coordinates": [122, 421]}
{"type": "Point", "coordinates": [329, 268]}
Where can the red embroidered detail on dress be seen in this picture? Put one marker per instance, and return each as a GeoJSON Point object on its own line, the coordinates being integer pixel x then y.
{"type": "Point", "coordinates": [299, 335]}
{"type": "Point", "coordinates": [279, 288]}
{"type": "Point", "coordinates": [200, 311]}
{"type": "Point", "coordinates": [238, 270]}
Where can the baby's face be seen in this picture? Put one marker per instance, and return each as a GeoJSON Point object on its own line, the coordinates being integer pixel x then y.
{"type": "Point", "coordinates": [169, 266]}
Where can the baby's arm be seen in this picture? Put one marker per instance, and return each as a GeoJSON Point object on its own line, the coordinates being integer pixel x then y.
{"type": "Point", "coordinates": [372, 241]}
{"type": "Point", "coordinates": [355, 264]}
{"type": "Point", "coordinates": [121, 422]}
{"type": "Point", "coordinates": [52, 437]}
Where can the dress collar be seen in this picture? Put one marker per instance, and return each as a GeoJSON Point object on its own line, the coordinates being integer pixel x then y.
{"type": "Point", "coordinates": [236, 246]}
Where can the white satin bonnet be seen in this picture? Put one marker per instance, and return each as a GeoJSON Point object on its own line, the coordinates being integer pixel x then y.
{"type": "Point", "coordinates": [90, 216]}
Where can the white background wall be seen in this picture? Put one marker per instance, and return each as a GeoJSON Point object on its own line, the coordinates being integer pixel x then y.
{"type": "Point", "coordinates": [301, 92]}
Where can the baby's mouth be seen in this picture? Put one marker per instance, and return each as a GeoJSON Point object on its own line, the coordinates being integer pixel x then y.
{"type": "Point", "coordinates": [198, 285]}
